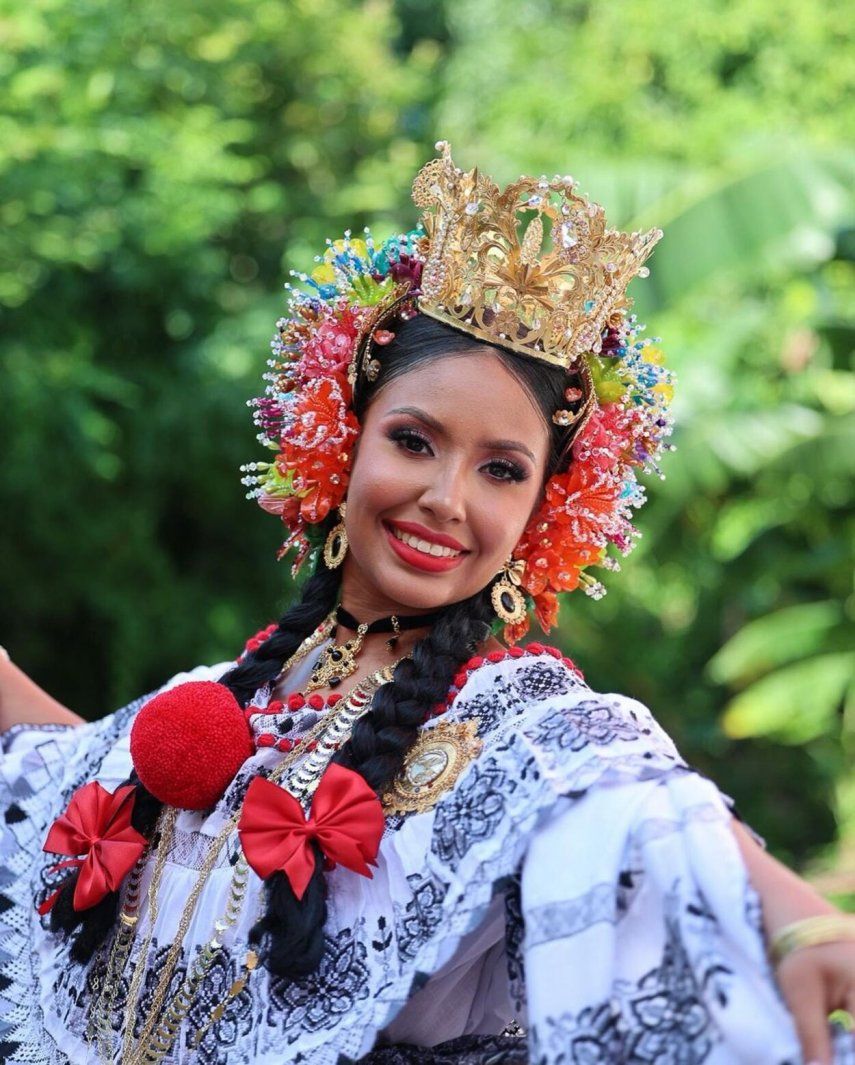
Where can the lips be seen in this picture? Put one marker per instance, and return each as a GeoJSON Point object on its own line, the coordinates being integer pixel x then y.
{"type": "Point", "coordinates": [428, 535]}
{"type": "Point", "coordinates": [424, 549]}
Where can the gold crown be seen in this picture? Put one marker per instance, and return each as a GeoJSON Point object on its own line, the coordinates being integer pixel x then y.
{"type": "Point", "coordinates": [481, 277]}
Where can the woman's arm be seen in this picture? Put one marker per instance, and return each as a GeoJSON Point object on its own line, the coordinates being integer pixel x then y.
{"type": "Point", "coordinates": [814, 980]}
{"type": "Point", "coordinates": [22, 701]}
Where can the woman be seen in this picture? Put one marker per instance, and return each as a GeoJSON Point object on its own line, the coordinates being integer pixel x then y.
{"type": "Point", "coordinates": [383, 832]}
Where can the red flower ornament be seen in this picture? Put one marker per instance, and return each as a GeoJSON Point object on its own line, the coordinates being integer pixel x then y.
{"type": "Point", "coordinates": [346, 819]}
{"type": "Point", "coordinates": [97, 824]}
{"type": "Point", "coordinates": [316, 450]}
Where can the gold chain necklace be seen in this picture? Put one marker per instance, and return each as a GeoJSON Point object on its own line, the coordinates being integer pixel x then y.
{"type": "Point", "coordinates": [336, 727]}
{"type": "Point", "coordinates": [156, 1037]}
{"type": "Point", "coordinates": [100, 1023]}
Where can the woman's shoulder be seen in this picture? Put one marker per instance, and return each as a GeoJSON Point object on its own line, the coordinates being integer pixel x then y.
{"type": "Point", "coordinates": [51, 760]}
{"type": "Point", "coordinates": [535, 701]}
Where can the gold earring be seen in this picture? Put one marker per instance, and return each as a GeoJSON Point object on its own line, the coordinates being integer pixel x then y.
{"type": "Point", "coordinates": [335, 546]}
{"type": "Point", "coordinates": [506, 596]}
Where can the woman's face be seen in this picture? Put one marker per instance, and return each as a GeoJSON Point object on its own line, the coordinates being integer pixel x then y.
{"type": "Point", "coordinates": [448, 471]}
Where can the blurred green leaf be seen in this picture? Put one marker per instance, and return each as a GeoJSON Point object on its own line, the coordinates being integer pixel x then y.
{"type": "Point", "coordinates": [795, 704]}
{"type": "Point", "coordinates": [775, 639]}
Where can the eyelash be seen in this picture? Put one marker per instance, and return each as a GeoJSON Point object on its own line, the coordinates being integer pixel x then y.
{"type": "Point", "coordinates": [513, 472]}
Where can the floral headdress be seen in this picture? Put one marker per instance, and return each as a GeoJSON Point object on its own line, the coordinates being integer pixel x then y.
{"type": "Point", "coordinates": [466, 265]}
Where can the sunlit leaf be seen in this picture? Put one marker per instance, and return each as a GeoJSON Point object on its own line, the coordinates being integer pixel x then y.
{"type": "Point", "coordinates": [794, 704]}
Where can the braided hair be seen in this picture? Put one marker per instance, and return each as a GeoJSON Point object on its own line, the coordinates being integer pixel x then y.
{"type": "Point", "coordinates": [290, 933]}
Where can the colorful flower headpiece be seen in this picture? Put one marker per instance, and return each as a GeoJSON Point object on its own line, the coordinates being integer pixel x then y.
{"type": "Point", "coordinates": [566, 306]}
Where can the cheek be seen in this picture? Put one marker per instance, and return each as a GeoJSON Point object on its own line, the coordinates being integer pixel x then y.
{"type": "Point", "coordinates": [378, 480]}
{"type": "Point", "coordinates": [500, 518]}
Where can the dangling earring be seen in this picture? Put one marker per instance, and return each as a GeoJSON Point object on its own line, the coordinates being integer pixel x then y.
{"type": "Point", "coordinates": [335, 546]}
{"type": "Point", "coordinates": [508, 601]}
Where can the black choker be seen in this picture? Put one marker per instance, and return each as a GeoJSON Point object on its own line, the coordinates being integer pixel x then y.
{"type": "Point", "coordinates": [391, 624]}
{"type": "Point", "coordinates": [339, 661]}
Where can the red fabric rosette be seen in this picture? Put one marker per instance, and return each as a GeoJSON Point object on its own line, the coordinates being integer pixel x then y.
{"type": "Point", "coordinates": [97, 825]}
{"type": "Point", "coordinates": [346, 819]}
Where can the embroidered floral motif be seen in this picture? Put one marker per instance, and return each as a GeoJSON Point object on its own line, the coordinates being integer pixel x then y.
{"type": "Point", "coordinates": [471, 813]}
{"type": "Point", "coordinates": [420, 917]}
{"type": "Point", "coordinates": [320, 1001]}
{"type": "Point", "coordinates": [590, 721]}
{"type": "Point", "coordinates": [236, 1022]}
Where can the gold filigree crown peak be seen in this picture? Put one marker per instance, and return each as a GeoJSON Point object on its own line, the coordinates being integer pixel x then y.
{"type": "Point", "coordinates": [488, 272]}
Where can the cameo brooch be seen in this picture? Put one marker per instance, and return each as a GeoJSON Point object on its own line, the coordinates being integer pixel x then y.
{"type": "Point", "coordinates": [432, 766]}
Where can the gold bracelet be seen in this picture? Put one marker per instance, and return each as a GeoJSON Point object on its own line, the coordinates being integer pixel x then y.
{"type": "Point", "coordinates": [811, 931]}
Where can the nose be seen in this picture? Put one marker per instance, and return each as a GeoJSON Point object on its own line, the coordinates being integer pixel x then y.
{"type": "Point", "coordinates": [444, 497]}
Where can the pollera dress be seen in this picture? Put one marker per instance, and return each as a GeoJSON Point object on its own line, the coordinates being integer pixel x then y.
{"type": "Point", "coordinates": [554, 886]}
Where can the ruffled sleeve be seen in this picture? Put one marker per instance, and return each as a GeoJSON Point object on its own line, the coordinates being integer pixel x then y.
{"type": "Point", "coordinates": [40, 767]}
{"type": "Point", "coordinates": [643, 938]}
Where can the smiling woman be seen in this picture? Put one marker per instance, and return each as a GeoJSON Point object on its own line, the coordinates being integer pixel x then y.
{"type": "Point", "coordinates": [253, 865]}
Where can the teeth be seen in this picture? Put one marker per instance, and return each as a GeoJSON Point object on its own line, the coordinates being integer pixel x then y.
{"type": "Point", "coordinates": [437, 550]}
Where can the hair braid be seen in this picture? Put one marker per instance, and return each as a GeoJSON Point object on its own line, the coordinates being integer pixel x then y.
{"type": "Point", "coordinates": [381, 739]}
{"type": "Point", "coordinates": [319, 597]}
{"type": "Point", "coordinates": [94, 923]}
{"type": "Point", "coordinates": [376, 750]}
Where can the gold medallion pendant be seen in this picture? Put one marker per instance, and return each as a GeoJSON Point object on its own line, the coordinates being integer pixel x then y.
{"type": "Point", "coordinates": [432, 766]}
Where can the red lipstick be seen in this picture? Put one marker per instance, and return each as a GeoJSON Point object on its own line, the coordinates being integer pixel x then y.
{"type": "Point", "coordinates": [418, 559]}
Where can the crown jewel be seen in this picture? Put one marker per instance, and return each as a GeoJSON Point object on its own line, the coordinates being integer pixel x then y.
{"type": "Point", "coordinates": [489, 273]}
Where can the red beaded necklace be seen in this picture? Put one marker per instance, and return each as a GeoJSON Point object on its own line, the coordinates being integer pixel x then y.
{"type": "Point", "coordinates": [298, 701]}
{"type": "Point", "coordinates": [294, 703]}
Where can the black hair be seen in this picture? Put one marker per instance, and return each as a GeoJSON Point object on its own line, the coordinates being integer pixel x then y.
{"type": "Point", "coordinates": [290, 934]}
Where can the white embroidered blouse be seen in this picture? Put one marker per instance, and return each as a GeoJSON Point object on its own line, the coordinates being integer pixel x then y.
{"type": "Point", "coordinates": [577, 878]}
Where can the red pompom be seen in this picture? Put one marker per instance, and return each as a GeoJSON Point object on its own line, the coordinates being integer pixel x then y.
{"type": "Point", "coordinates": [188, 743]}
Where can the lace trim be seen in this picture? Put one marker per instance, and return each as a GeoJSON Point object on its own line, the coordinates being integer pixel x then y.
{"type": "Point", "coordinates": [532, 650]}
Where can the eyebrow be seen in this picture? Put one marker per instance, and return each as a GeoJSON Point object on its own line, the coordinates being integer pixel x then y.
{"type": "Point", "coordinates": [493, 445]}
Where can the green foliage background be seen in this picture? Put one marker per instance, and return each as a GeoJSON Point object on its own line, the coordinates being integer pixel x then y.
{"type": "Point", "coordinates": [163, 165]}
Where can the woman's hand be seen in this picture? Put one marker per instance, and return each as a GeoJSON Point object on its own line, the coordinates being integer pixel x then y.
{"type": "Point", "coordinates": [817, 980]}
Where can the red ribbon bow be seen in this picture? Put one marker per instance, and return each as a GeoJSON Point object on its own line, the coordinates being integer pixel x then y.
{"type": "Point", "coordinates": [98, 825]}
{"type": "Point", "coordinates": [346, 818]}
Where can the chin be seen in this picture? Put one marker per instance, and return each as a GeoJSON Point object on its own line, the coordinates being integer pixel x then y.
{"type": "Point", "coordinates": [420, 594]}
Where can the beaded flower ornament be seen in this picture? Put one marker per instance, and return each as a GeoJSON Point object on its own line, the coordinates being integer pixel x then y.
{"type": "Point", "coordinates": [532, 268]}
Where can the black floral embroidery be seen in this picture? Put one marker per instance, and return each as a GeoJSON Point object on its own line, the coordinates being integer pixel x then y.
{"type": "Point", "coordinates": [591, 1037]}
{"type": "Point", "coordinates": [237, 1020]}
{"type": "Point", "coordinates": [320, 1000]}
{"type": "Point", "coordinates": [544, 679]}
{"type": "Point", "coordinates": [471, 812]}
{"type": "Point", "coordinates": [154, 969]}
{"type": "Point", "coordinates": [592, 721]}
{"type": "Point", "coordinates": [510, 697]}
{"type": "Point", "coordinates": [490, 708]}
{"type": "Point", "coordinates": [419, 919]}
{"type": "Point", "coordinates": [76, 988]}
{"type": "Point", "coordinates": [662, 1018]}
